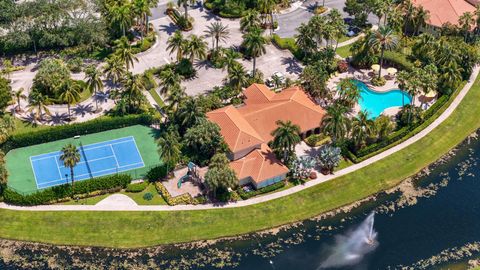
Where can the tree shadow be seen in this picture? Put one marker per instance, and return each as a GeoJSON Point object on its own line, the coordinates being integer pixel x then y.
{"type": "Point", "coordinates": [293, 67]}
{"type": "Point", "coordinates": [208, 16]}
{"type": "Point", "coordinates": [59, 119]}
{"type": "Point", "coordinates": [83, 109]}
{"type": "Point", "coordinates": [168, 29]}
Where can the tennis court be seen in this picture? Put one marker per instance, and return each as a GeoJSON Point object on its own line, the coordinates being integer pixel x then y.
{"type": "Point", "coordinates": [96, 160]}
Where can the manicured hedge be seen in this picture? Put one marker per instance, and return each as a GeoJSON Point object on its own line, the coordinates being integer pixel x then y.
{"type": "Point", "coordinates": [68, 131]}
{"type": "Point", "coordinates": [157, 173]}
{"type": "Point", "coordinates": [250, 194]}
{"type": "Point", "coordinates": [185, 198]}
{"type": "Point", "coordinates": [399, 60]}
{"type": "Point", "coordinates": [60, 192]}
{"type": "Point", "coordinates": [137, 187]}
{"type": "Point", "coordinates": [287, 44]}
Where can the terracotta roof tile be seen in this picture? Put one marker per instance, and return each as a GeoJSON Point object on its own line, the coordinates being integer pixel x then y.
{"type": "Point", "coordinates": [261, 164]}
{"type": "Point", "coordinates": [444, 11]}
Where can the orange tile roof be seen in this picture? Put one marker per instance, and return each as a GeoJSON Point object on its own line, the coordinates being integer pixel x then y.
{"type": "Point", "coordinates": [260, 164]}
{"type": "Point", "coordinates": [236, 131]}
{"type": "Point", "coordinates": [444, 11]}
{"type": "Point", "coordinates": [253, 123]}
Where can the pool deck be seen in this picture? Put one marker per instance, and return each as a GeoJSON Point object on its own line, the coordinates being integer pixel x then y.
{"type": "Point", "coordinates": [365, 75]}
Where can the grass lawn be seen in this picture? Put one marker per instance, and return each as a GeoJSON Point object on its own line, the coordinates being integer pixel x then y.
{"type": "Point", "coordinates": [25, 126]}
{"type": "Point", "coordinates": [157, 98]}
{"type": "Point", "coordinates": [138, 196]}
{"type": "Point", "coordinates": [136, 229]}
{"type": "Point", "coordinates": [21, 177]}
{"type": "Point", "coordinates": [344, 51]}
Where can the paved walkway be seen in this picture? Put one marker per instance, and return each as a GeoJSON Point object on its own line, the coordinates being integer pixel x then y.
{"type": "Point", "coordinates": [269, 197]}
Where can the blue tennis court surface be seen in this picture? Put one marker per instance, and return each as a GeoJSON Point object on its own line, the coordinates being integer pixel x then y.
{"type": "Point", "coordinates": [97, 159]}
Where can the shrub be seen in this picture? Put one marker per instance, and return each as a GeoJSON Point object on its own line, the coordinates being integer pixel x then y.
{"type": "Point", "coordinates": [75, 65]}
{"type": "Point", "coordinates": [319, 10]}
{"type": "Point", "coordinates": [342, 66]}
{"type": "Point", "coordinates": [315, 140]}
{"type": "Point", "coordinates": [64, 191]}
{"type": "Point", "coordinates": [68, 131]}
{"type": "Point", "coordinates": [376, 81]}
{"type": "Point", "coordinates": [148, 196]}
{"type": "Point", "coordinates": [185, 68]}
{"type": "Point", "coordinates": [287, 44]}
{"type": "Point", "coordinates": [137, 187]}
{"type": "Point", "coordinates": [157, 173]}
{"type": "Point", "coordinates": [179, 20]}
{"type": "Point", "coordinates": [398, 60]}
{"type": "Point", "coordinates": [247, 195]}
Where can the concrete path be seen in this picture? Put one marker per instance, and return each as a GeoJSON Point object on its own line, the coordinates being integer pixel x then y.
{"type": "Point", "coordinates": [269, 197]}
{"type": "Point", "coordinates": [117, 200]}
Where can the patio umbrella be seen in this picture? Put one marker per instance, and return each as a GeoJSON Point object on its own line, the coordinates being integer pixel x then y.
{"type": "Point", "coordinates": [376, 67]}
{"type": "Point", "coordinates": [431, 94]}
{"type": "Point", "coordinates": [392, 71]}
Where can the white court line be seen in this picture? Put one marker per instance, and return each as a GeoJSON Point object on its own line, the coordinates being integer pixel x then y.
{"type": "Point", "coordinates": [34, 175]}
{"type": "Point", "coordinates": [114, 155]}
{"type": "Point", "coordinates": [58, 168]}
{"type": "Point", "coordinates": [85, 148]}
{"type": "Point", "coordinates": [138, 151]}
{"type": "Point", "coordinates": [90, 161]}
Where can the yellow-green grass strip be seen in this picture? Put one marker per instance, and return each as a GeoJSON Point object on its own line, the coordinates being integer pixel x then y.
{"type": "Point", "coordinates": [21, 177]}
{"type": "Point", "coordinates": [139, 229]}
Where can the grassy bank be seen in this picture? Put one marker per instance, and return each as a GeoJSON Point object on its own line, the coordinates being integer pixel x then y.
{"type": "Point", "coordinates": [136, 229]}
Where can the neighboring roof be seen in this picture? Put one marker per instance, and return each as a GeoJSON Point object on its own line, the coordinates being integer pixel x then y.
{"type": "Point", "coordinates": [236, 131]}
{"type": "Point", "coordinates": [253, 123]}
{"type": "Point", "coordinates": [260, 164]}
{"type": "Point", "coordinates": [445, 11]}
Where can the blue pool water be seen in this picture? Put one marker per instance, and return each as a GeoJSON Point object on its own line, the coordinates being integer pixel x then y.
{"type": "Point", "coordinates": [375, 103]}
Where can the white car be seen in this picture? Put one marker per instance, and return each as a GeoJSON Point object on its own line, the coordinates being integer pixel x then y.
{"type": "Point", "coordinates": [279, 75]}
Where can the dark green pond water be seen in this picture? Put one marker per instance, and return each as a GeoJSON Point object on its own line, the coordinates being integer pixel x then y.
{"type": "Point", "coordinates": [435, 227]}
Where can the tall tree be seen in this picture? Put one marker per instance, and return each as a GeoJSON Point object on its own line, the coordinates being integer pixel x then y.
{"type": "Point", "coordinates": [336, 124]}
{"type": "Point", "coordinates": [123, 50]}
{"type": "Point", "coordinates": [217, 31]}
{"type": "Point", "coordinates": [251, 20]}
{"type": "Point", "coordinates": [168, 79]}
{"type": "Point", "coordinates": [254, 43]}
{"type": "Point", "coordinates": [196, 47]}
{"type": "Point", "coordinates": [383, 39]}
{"type": "Point", "coordinates": [220, 177]}
{"type": "Point", "coordinates": [169, 149]}
{"type": "Point", "coordinates": [237, 77]}
{"type": "Point", "coordinates": [177, 43]}
{"type": "Point", "coordinates": [286, 136]}
{"type": "Point", "coordinates": [70, 95]}
{"type": "Point", "coordinates": [94, 82]}
{"type": "Point", "coordinates": [114, 69]}
{"type": "Point", "coordinates": [37, 104]}
{"type": "Point", "coordinates": [70, 157]}
{"type": "Point", "coordinates": [185, 4]}
{"type": "Point", "coordinates": [121, 16]}
{"type": "Point", "coordinates": [133, 88]}
{"type": "Point", "coordinates": [362, 128]}
{"type": "Point", "coordinates": [19, 96]}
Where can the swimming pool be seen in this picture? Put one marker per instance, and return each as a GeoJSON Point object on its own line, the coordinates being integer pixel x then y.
{"type": "Point", "coordinates": [376, 102]}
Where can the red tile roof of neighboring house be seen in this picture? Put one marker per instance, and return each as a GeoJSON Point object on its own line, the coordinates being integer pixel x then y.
{"type": "Point", "coordinates": [444, 11]}
{"type": "Point", "coordinates": [260, 164]}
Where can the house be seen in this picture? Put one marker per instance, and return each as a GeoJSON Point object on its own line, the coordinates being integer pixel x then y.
{"type": "Point", "coordinates": [443, 12]}
{"type": "Point", "coordinates": [247, 130]}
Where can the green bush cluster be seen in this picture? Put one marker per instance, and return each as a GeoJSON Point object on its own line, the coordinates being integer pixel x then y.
{"type": "Point", "coordinates": [145, 44]}
{"type": "Point", "coordinates": [182, 199]}
{"type": "Point", "coordinates": [157, 173]}
{"type": "Point", "coordinates": [315, 140]}
{"type": "Point", "coordinates": [287, 44]}
{"type": "Point", "coordinates": [68, 131]}
{"type": "Point", "coordinates": [398, 60]}
{"type": "Point", "coordinates": [179, 20]}
{"type": "Point", "coordinates": [64, 191]}
{"type": "Point", "coordinates": [137, 187]}
{"type": "Point", "coordinates": [247, 195]}
{"type": "Point", "coordinates": [226, 9]}
{"type": "Point", "coordinates": [75, 65]}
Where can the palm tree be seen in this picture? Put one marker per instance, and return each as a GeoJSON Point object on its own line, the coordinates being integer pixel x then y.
{"type": "Point", "coordinates": [196, 48]}
{"type": "Point", "coordinates": [190, 113]}
{"type": "Point", "coordinates": [409, 13]}
{"type": "Point", "coordinates": [121, 15]}
{"type": "Point", "coordinates": [362, 128]}
{"type": "Point", "coordinates": [185, 3]}
{"type": "Point", "coordinates": [304, 39]}
{"type": "Point", "coordinates": [286, 136]}
{"type": "Point", "coordinates": [176, 96]}
{"type": "Point", "coordinates": [114, 69]}
{"type": "Point", "coordinates": [383, 39]}
{"type": "Point", "coordinates": [267, 7]}
{"type": "Point", "coordinates": [94, 82]}
{"type": "Point", "coordinates": [70, 157]}
{"type": "Point", "coordinates": [237, 77]}
{"type": "Point", "coordinates": [133, 88]}
{"type": "Point", "coordinates": [142, 10]}
{"type": "Point", "coordinates": [217, 31]}
{"type": "Point", "coordinates": [420, 17]}
{"type": "Point", "coordinates": [124, 52]}
{"type": "Point", "coordinates": [169, 149]}
{"type": "Point", "coordinates": [348, 92]}
{"type": "Point", "coordinates": [168, 78]}
{"type": "Point", "coordinates": [37, 104]}
{"type": "Point", "coordinates": [176, 43]}
{"type": "Point", "coordinates": [7, 125]}
{"type": "Point", "coordinates": [251, 20]}
{"type": "Point", "coordinates": [70, 95]}
{"type": "Point", "coordinates": [466, 22]}
{"type": "Point", "coordinates": [229, 59]}
{"type": "Point", "coordinates": [19, 96]}
{"type": "Point", "coordinates": [336, 124]}
{"type": "Point", "coordinates": [254, 43]}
